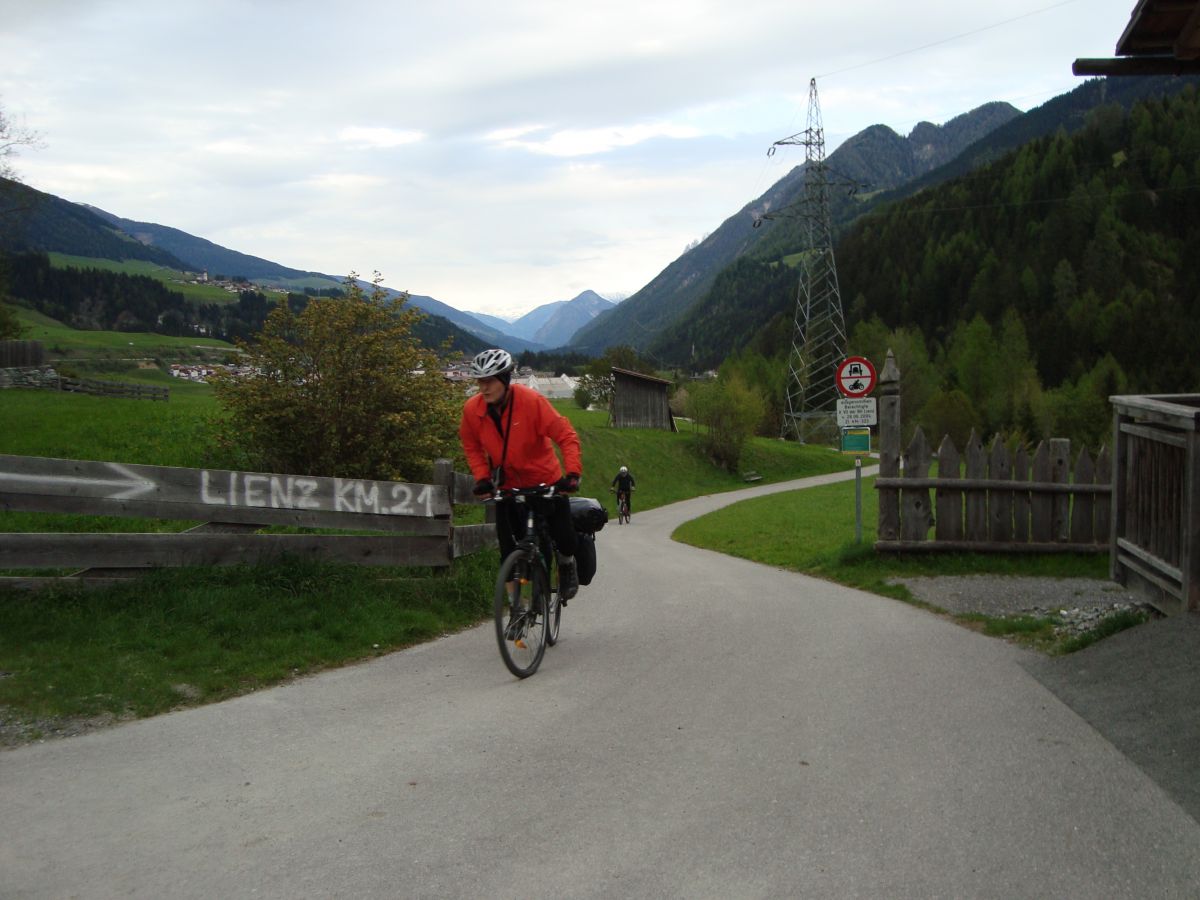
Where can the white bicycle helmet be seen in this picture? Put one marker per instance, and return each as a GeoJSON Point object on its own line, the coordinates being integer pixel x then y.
{"type": "Point", "coordinates": [623, 470]}
{"type": "Point", "coordinates": [490, 363]}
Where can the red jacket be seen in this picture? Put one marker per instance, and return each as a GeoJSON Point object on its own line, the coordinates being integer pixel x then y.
{"type": "Point", "coordinates": [535, 424]}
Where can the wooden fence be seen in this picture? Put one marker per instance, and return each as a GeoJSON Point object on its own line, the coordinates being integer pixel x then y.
{"type": "Point", "coordinates": [1156, 527]}
{"type": "Point", "coordinates": [415, 519]}
{"type": "Point", "coordinates": [102, 388]}
{"type": "Point", "coordinates": [14, 354]}
{"type": "Point", "coordinates": [45, 378]}
{"type": "Point", "coordinates": [998, 502]}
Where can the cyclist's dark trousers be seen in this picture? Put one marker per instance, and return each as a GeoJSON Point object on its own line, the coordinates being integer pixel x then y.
{"type": "Point", "coordinates": [510, 523]}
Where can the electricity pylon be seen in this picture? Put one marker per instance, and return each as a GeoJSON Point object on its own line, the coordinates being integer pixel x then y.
{"type": "Point", "coordinates": [819, 328]}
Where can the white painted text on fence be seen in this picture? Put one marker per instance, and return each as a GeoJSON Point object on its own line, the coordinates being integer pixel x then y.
{"type": "Point", "coordinates": [303, 492]}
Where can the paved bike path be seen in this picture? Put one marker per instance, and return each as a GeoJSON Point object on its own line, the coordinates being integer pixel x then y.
{"type": "Point", "coordinates": [707, 727]}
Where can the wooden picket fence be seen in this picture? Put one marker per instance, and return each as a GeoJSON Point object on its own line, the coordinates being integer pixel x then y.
{"type": "Point", "coordinates": [415, 520]}
{"type": "Point", "coordinates": [997, 500]}
{"type": "Point", "coordinates": [125, 389]}
{"type": "Point", "coordinates": [1156, 517]}
{"type": "Point", "coordinates": [20, 354]}
{"type": "Point", "coordinates": [46, 379]}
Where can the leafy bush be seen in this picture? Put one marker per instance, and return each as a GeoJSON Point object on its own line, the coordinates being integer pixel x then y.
{"type": "Point", "coordinates": [730, 412]}
{"type": "Point", "coordinates": [343, 389]}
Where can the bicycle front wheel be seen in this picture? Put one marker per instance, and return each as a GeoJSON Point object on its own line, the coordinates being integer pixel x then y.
{"type": "Point", "coordinates": [554, 609]}
{"type": "Point", "coordinates": [520, 606]}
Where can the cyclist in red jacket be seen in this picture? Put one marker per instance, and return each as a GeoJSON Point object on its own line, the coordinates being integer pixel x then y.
{"type": "Point", "coordinates": [508, 434]}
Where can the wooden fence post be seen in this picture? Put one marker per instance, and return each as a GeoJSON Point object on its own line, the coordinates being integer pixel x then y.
{"type": "Point", "coordinates": [1082, 527]}
{"type": "Point", "coordinates": [1020, 472]}
{"type": "Point", "coordinates": [1041, 528]}
{"type": "Point", "coordinates": [977, 499]}
{"type": "Point", "coordinates": [889, 449]}
{"type": "Point", "coordinates": [1060, 461]}
{"type": "Point", "coordinates": [1103, 509]}
{"type": "Point", "coordinates": [915, 507]}
{"type": "Point", "coordinates": [948, 524]}
{"type": "Point", "coordinates": [1000, 503]}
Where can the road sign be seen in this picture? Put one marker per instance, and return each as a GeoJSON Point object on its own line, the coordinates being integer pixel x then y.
{"type": "Point", "coordinates": [855, 376]}
{"type": "Point", "coordinates": [856, 441]}
{"type": "Point", "coordinates": [857, 412]}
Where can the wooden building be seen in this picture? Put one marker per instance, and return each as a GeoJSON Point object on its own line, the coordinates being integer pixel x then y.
{"type": "Point", "coordinates": [640, 401]}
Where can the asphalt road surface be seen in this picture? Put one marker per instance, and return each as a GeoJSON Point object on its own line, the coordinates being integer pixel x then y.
{"type": "Point", "coordinates": [707, 727]}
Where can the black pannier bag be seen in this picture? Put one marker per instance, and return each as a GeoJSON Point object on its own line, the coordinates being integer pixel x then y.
{"type": "Point", "coordinates": [587, 515]}
{"type": "Point", "coordinates": [585, 556]}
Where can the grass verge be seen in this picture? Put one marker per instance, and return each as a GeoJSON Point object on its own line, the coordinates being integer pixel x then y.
{"type": "Point", "coordinates": [188, 636]}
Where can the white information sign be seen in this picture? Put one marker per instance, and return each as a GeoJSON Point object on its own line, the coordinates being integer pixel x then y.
{"type": "Point", "coordinates": [857, 412]}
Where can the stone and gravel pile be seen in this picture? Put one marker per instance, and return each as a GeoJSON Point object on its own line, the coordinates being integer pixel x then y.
{"type": "Point", "coordinates": [1077, 604]}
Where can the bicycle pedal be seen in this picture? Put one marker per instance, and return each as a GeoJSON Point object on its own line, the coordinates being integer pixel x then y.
{"type": "Point", "coordinates": [519, 643]}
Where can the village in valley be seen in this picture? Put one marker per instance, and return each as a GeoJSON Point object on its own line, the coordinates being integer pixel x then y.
{"type": "Point", "coordinates": [549, 385]}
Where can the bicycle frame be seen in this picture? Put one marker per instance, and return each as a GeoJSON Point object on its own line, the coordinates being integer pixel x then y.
{"type": "Point", "coordinates": [537, 537]}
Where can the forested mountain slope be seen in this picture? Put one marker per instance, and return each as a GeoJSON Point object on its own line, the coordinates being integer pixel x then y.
{"type": "Point", "coordinates": [1093, 239]}
{"type": "Point", "coordinates": [34, 220]}
{"type": "Point", "coordinates": [876, 158]}
{"type": "Point", "coordinates": [754, 301]}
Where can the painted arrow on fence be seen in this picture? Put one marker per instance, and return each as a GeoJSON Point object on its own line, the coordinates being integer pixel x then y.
{"type": "Point", "coordinates": [131, 485]}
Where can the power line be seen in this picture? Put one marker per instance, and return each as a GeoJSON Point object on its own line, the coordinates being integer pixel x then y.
{"type": "Point", "coordinates": [947, 40]}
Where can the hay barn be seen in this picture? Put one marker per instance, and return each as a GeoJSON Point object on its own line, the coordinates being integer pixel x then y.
{"type": "Point", "coordinates": [640, 401]}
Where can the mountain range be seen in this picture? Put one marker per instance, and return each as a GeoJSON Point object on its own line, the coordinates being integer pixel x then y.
{"type": "Point", "coordinates": [874, 167]}
{"type": "Point", "coordinates": [53, 224]}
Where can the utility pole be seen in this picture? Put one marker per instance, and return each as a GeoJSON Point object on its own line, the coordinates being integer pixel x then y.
{"type": "Point", "coordinates": [819, 328]}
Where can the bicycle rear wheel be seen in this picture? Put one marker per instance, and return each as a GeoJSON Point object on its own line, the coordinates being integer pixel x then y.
{"type": "Point", "coordinates": [520, 608]}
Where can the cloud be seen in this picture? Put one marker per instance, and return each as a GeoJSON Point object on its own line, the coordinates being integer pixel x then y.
{"type": "Point", "coordinates": [591, 141]}
{"type": "Point", "coordinates": [374, 138]}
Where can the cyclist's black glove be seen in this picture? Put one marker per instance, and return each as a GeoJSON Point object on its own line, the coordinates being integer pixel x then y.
{"type": "Point", "coordinates": [568, 484]}
{"type": "Point", "coordinates": [483, 488]}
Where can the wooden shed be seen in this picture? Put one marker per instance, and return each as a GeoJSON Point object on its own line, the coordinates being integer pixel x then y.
{"type": "Point", "coordinates": [640, 401]}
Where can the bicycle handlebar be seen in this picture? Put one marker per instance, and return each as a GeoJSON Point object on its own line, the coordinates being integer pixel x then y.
{"type": "Point", "coordinates": [542, 490]}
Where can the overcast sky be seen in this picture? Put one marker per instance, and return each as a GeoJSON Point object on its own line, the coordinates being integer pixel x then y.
{"type": "Point", "coordinates": [493, 154]}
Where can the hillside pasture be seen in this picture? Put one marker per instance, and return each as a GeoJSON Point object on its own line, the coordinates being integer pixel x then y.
{"type": "Point", "coordinates": [174, 279]}
{"type": "Point", "coordinates": [63, 343]}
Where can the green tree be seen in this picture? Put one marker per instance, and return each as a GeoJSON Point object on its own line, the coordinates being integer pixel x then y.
{"type": "Point", "coordinates": [342, 389]}
{"type": "Point", "coordinates": [948, 413]}
{"type": "Point", "coordinates": [12, 138]}
{"type": "Point", "coordinates": [10, 326]}
{"type": "Point", "coordinates": [730, 412]}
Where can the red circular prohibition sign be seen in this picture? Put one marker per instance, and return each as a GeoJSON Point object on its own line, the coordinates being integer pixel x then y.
{"type": "Point", "coordinates": [855, 376]}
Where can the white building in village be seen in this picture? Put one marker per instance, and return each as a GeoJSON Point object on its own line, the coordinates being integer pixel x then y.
{"type": "Point", "coordinates": [552, 387]}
